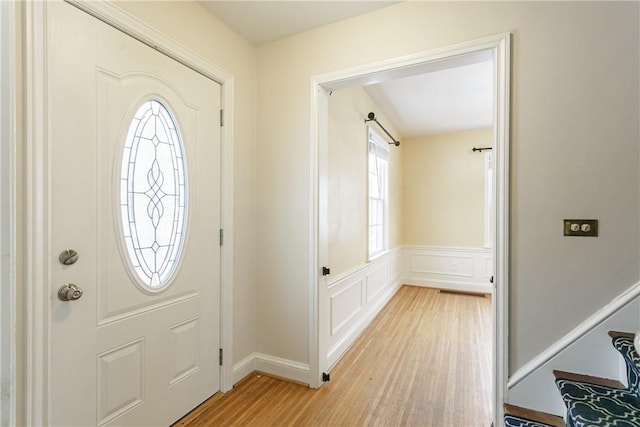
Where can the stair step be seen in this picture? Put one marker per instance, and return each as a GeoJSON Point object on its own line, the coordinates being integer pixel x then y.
{"type": "Point", "coordinates": [571, 376]}
{"type": "Point", "coordinates": [517, 416]}
{"type": "Point", "coordinates": [616, 334]}
{"type": "Point", "coordinates": [623, 342]}
{"type": "Point", "coordinates": [590, 404]}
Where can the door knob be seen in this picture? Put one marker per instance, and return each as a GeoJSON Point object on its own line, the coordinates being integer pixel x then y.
{"type": "Point", "coordinates": [69, 292]}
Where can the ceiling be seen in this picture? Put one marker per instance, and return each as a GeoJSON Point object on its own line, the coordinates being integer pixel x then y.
{"type": "Point", "coordinates": [265, 21]}
{"type": "Point", "coordinates": [454, 97]}
{"type": "Point", "coordinates": [451, 95]}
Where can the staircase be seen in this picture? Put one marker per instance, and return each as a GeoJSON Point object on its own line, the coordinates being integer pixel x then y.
{"type": "Point", "coordinates": [591, 401]}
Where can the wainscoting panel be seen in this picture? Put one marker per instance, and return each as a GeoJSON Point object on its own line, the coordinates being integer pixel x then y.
{"type": "Point", "coordinates": [442, 264]}
{"type": "Point", "coordinates": [377, 280]}
{"type": "Point", "coordinates": [345, 304]}
{"type": "Point", "coordinates": [357, 296]}
{"type": "Point", "coordinates": [464, 269]}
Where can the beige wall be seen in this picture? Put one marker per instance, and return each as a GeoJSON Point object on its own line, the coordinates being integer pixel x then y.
{"type": "Point", "coordinates": [574, 153]}
{"type": "Point", "coordinates": [444, 189]}
{"type": "Point", "coordinates": [347, 179]}
{"type": "Point", "coordinates": [194, 27]}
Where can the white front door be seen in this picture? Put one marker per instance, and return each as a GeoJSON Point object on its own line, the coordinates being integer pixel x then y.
{"type": "Point", "coordinates": [135, 191]}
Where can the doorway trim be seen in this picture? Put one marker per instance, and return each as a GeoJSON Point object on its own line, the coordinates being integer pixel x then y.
{"type": "Point", "coordinates": [320, 87]}
{"type": "Point", "coordinates": [8, 289]}
{"type": "Point", "coordinates": [37, 188]}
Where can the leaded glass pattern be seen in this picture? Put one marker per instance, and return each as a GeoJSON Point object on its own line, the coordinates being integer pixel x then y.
{"type": "Point", "coordinates": [153, 198]}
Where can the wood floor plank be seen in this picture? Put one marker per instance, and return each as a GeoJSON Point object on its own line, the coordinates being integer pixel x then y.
{"type": "Point", "coordinates": [423, 361]}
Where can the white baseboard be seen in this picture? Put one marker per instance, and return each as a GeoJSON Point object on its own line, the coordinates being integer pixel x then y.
{"type": "Point", "coordinates": [272, 365]}
{"type": "Point", "coordinates": [244, 367]}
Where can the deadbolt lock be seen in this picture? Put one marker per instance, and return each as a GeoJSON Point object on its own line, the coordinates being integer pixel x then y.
{"type": "Point", "coordinates": [68, 257]}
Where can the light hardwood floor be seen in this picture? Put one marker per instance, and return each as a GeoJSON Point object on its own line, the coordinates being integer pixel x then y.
{"type": "Point", "coordinates": [424, 361]}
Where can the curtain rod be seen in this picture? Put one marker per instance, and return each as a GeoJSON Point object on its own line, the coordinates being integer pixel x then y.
{"type": "Point", "coordinates": [372, 118]}
{"type": "Point", "coordinates": [481, 149]}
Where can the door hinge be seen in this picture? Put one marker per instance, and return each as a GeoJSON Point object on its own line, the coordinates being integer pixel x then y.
{"type": "Point", "coordinates": [220, 357]}
{"type": "Point", "coordinates": [326, 271]}
{"type": "Point", "coordinates": [221, 237]}
{"type": "Point", "coordinates": [221, 118]}
{"type": "Point", "coordinates": [326, 377]}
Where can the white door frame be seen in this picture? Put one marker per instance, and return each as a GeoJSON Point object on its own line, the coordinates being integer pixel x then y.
{"type": "Point", "coordinates": [7, 213]}
{"type": "Point", "coordinates": [320, 85]}
{"type": "Point", "coordinates": [37, 189]}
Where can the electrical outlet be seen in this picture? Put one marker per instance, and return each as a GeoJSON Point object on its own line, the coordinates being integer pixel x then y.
{"type": "Point", "coordinates": [581, 227]}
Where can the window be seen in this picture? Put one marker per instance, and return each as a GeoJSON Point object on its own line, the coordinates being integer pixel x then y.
{"type": "Point", "coordinates": [153, 199]}
{"type": "Point", "coordinates": [378, 166]}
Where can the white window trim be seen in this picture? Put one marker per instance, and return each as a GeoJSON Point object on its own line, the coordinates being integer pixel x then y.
{"type": "Point", "coordinates": [378, 141]}
{"type": "Point", "coordinates": [489, 214]}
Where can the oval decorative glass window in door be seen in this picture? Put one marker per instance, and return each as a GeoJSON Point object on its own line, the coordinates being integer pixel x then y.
{"type": "Point", "coordinates": [153, 196]}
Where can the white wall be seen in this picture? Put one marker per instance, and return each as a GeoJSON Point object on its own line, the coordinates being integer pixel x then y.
{"type": "Point", "coordinates": [194, 27]}
{"type": "Point", "coordinates": [347, 179]}
{"type": "Point", "coordinates": [574, 145]}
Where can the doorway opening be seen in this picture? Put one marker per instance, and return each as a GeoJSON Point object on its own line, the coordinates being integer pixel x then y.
{"type": "Point", "coordinates": [321, 88]}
